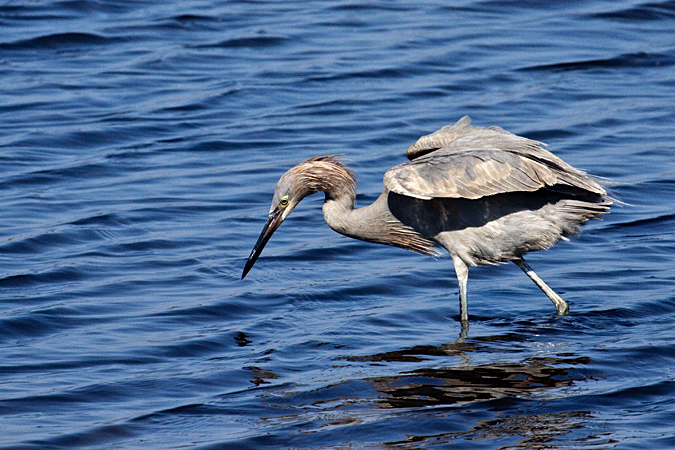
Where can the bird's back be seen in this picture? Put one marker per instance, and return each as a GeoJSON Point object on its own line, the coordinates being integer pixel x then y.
{"type": "Point", "coordinates": [490, 196]}
{"type": "Point", "coordinates": [482, 162]}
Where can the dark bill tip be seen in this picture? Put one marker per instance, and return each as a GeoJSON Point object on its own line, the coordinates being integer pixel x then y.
{"type": "Point", "coordinates": [273, 222]}
{"type": "Point", "coordinates": [251, 260]}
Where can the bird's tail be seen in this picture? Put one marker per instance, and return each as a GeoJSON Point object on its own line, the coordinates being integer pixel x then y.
{"type": "Point", "coordinates": [575, 213]}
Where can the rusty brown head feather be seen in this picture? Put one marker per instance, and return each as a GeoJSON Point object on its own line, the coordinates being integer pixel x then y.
{"type": "Point", "coordinates": [318, 174]}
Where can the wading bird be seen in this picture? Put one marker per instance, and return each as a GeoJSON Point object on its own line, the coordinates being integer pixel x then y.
{"type": "Point", "coordinates": [486, 195]}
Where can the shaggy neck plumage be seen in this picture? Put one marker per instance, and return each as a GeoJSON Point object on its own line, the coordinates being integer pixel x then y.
{"type": "Point", "coordinates": [373, 223]}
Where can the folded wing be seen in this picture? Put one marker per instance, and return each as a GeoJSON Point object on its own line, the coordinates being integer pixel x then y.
{"type": "Point", "coordinates": [462, 161]}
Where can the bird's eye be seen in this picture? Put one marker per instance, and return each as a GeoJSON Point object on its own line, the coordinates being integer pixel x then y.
{"type": "Point", "coordinates": [283, 202]}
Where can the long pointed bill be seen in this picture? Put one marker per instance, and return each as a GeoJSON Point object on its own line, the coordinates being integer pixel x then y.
{"type": "Point", "coordinates": [273, 222]}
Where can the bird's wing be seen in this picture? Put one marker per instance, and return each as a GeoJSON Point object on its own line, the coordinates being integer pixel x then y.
{"type": "Point", "coordinates": [441, 138]}
{"type": "Point", "coordinates": [479, 172]}
{"type": "Point", "coordinates": [461, 160]}
{"type": "Point", "coordinates": [464, 135]}
{"type": "Point", "coordinates": [471, 173]}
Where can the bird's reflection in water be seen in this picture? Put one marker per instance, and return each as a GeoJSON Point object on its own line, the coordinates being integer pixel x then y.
{"type": "Point", "coordinates": [533, 432]}
{"type": "Point", "coordinates": [465, 401]}
{"type": "Point", "coordinates": [465, 382]}
{"type": "Point", "coordinates": [431, 387]}
{"type": "Point", "coordinates": [469, 383]}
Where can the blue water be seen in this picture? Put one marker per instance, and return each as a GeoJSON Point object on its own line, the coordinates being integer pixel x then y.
{"type": "Point", "coordinates": [140, 143]}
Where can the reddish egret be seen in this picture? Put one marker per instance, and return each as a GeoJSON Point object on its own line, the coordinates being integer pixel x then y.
{"type": "Point", "coordinates": [488, 196]}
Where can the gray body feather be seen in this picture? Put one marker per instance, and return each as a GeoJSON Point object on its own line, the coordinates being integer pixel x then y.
{"type": "Point", "coordinates": [490, 196]}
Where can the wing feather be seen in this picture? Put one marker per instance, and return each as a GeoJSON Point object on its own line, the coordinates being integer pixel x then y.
{"type": "Point", "coordinates": [440, 138]}
{"type": "Point", "coordinates": [462, 161]}
{"type": "Point", "coordinates": [476, 173]}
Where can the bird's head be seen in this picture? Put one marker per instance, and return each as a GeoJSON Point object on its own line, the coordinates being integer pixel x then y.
{"type": "Point", "coordinates": [288, 193]}
{"type": "Point", "coordinates": [323, 173]}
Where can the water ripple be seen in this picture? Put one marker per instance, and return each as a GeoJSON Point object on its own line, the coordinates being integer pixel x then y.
{"type": "Point", "coordinates": [59, 41]}
{"type": "Point", "coordinates": [632, 60]}
{"type": "Point", "coordinates": [141, 143]}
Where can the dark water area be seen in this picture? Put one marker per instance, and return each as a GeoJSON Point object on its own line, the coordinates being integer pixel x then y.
{"type": "Point", "coordinates": [139, 149]}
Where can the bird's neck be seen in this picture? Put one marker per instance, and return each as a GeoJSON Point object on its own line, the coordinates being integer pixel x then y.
{"type": "Point", "coordinates": [341, 215]}
{"type": "Point", "coordinates": [373, 223]}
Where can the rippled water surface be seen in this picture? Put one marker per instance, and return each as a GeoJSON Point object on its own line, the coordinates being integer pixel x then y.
{"type": "Point", "coordinates": [139, 148]}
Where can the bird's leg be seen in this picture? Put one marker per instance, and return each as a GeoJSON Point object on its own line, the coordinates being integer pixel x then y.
{"type": "Point", "coordinates": [462, 271]}
{"type": "Point", "coordinates": [560, 304]}
{"type": "Point", "coordinates": [464, 333]}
